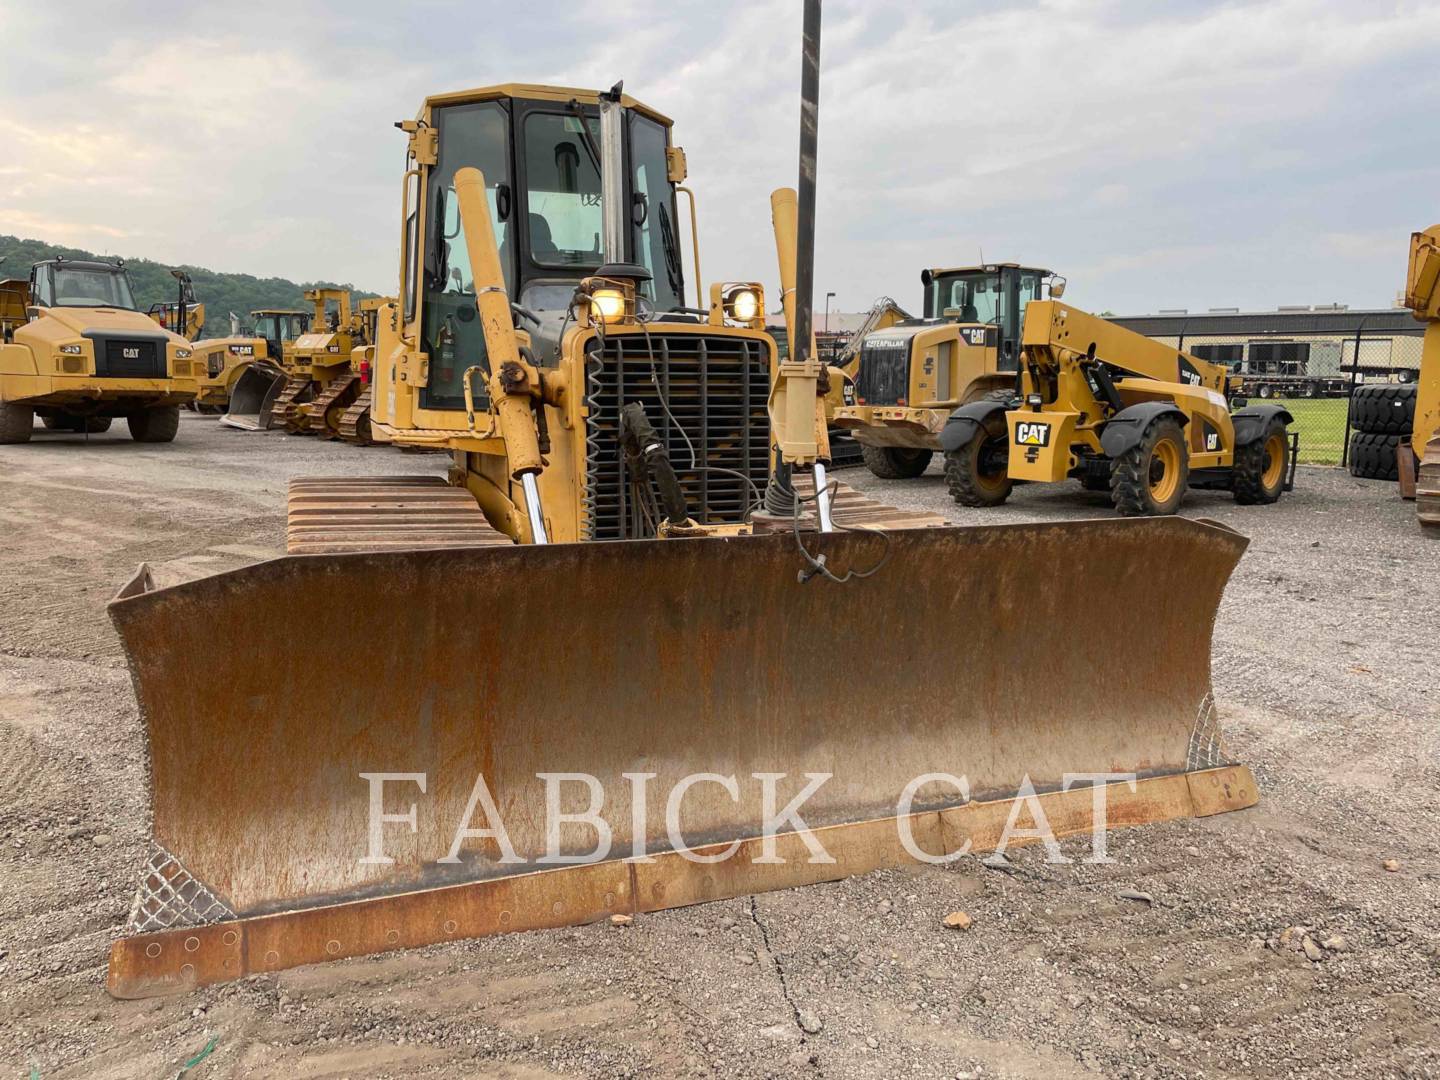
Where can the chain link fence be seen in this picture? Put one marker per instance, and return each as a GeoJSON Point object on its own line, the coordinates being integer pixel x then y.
{"type": "Point", "coordinates": [1347, 394]}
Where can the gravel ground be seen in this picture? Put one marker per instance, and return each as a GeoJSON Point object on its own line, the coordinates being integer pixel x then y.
{"type": "Point", "coordinates": [1320, 673]}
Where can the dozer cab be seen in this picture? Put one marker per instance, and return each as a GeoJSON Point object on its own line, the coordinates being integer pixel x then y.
{"type": "Point", "coordinates": [354, 424]}
{"type": "Point", "coordinates": [184, 315]}
{"type": "Point", "coordinates": [619, 638]}
{"type": "Point", "coordinates": [1422, 297]}
{"type": "Point", "coordinates": [78, 354]}
{"type": "Point", "coordinates": [246, 372]}
{"type": "Point", "coordinates": [913, 374]}
{"type": "Point", "coordinates": [1120, 413]}
{"type": "Point", "coordinates": [324, 382]}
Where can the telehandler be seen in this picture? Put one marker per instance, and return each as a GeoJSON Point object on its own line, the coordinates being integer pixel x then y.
{"type": "Point", "coordinates": [78, 353]}
{"type": "Point", "coordinates": [184, 315]}
{"type": "Point", "coordinates": [1422, 297]}
{"type": "Point", "coordinates": [676, 680]}
{"type": "Point", "coordinates": [913, 373]}
{"type": "Point", "coordinates": [1117, 411]}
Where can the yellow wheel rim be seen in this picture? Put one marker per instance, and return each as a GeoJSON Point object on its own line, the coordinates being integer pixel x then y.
{"type": "Point", "coordinates": [1274, 462]}
{"type": "Point", "coordinates": [1165, 479]}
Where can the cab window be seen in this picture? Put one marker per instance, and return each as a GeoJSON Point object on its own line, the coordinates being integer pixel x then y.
{"type": "Point", "coordinates": [562, 175]}
{"type": "Point", "coordinates": [657, 245]}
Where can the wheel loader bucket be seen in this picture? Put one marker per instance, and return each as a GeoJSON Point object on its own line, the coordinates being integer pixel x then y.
{"type": "Point", "coordinates": [252, 397]}
{"type": "Point", "coordinates": [674, 695]}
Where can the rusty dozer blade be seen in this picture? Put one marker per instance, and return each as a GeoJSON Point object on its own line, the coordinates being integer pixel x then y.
{"type": "Point", "coordinates": [1000, 654]}
{"type": "Point", "coordinates": [252, 397]}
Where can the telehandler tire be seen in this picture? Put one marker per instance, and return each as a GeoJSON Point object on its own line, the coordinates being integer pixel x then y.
{"type": "Point", "coordinates": [16, 423]}
{"type": "Point", "coordinates": [976, 473]}
{"type": "Point", "coordinates": [1149, 479]}
{"type": "Point", "coordinates": [1258, 475]}
{"type": "Point", "coordinates": [896, 462]}
{"type": "Point", "coordinates": [159, 424]}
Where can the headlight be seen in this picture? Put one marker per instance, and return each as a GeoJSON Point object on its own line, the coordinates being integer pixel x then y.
{"type": "Point", "coordinates": [745, 305]}
{"type": "Point", "coordinates": [182, 354]}
{"type": "Point", "coordinates": [610, 303]}
{"type": "Point", "coordinates": [73, 350]}
{"type": "Point", "coordinates": [739, 301]}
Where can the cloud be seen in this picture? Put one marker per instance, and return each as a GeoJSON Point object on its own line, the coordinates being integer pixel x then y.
{"type": "Point", "coordinates": [1191, 155]}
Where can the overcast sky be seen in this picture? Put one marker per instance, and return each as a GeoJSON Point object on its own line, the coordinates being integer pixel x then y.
{"type": "Point", "coordinates": [1160, 155]}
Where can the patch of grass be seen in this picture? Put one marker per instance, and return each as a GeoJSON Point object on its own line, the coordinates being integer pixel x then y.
{"type": "Point", "coordinates": [1321, 424]}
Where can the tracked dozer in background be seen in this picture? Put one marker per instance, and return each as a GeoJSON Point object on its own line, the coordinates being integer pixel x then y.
{"type": "Point", "coordinates": [1119, 412]}
{"type": "Point", "coordinates": [250, 370]}
{"type": "Point", "coordinates": [911, 375]}
{"type": "Point", "coordinates": [323, 383]}
{"type": "Point", "coordinates": [684, 666]}
{"type": "Point", "coordinates": [1422, 296]}
{"type": "Point", "coordinates": [354, 423]}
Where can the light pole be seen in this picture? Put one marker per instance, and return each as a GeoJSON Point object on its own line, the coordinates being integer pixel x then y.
{"type": "Point", "coordinates": [828, 297]}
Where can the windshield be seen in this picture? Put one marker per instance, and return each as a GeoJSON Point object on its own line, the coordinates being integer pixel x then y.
{"type": "Point", "coordinates": [657, 247]}
{"type": "Point", "coordinates": [970, 298]}
{"type": "Point", "coordinates": [563, 178]}
{"type": "Point", "coordinates": [979, 296]}
{"type": "Point", "coordinates": [73, 286]}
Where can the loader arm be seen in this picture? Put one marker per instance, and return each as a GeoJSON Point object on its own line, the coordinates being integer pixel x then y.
{"type": "Point", "coordinates": [1422, 297]}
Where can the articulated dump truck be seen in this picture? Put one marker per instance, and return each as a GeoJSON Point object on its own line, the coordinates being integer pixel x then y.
{"type": "Point", "coordinates": [592, 671]}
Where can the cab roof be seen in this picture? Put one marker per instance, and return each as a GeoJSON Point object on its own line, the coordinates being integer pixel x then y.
{"type": "Point", "coordinates": [537, 92]}
{"type": "Point", "coordinates": [988, 268]}
{"type": "Point", "coordinates": [82, 264]}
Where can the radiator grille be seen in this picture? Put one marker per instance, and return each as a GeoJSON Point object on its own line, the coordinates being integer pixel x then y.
{"type": "Point", "coordinates": [884, 372]}
{"type": "Point", "coordinates": [121, 358]}
{"type": "Point", "coordinates": [716, 389]}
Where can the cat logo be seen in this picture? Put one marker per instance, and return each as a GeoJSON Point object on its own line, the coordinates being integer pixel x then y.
{"type": "Point", "coordinates": [1030, 433]}
{"type": "Point", "coordinates": [1212, 441]}
{"type": "Point", "coordinates": [847, 393]}
{"type": "Point", "coordinates": [976, 335]}
{"type": "Point", "coordinates": [130, 353]}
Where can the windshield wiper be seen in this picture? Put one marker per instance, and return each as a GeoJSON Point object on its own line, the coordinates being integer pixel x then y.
{"type": "Point", "coordinates": [672, 254]}
{"type": "Point", "coordinates": [590, 148]}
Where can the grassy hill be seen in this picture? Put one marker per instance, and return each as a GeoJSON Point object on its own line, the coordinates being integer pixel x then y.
{"type": "Point", "coordinates": [220, 293]}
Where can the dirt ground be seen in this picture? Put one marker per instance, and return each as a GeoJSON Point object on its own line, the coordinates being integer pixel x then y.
{"type": "Point", "coordinates": [1324, 676]}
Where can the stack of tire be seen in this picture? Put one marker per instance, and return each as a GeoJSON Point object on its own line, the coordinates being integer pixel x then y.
{"type": "Point", "coordinates": [1382, 416]}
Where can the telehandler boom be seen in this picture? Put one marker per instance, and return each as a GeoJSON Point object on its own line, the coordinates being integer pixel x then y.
{"type": "Point", "coordinates": [526, 731]}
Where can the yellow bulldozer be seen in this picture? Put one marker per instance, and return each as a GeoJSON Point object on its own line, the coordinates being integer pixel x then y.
{"type": "Point", "coordinates": [912, 374]}
{"type": "Point", "coordinates": [323, 383]}
{"type": "Point", "coordinates": [1119, 412]}
{"type": "Point", "coordinates": [354, 425]}
{"type": "Point", "coordinates": [78, 353]}
{"type": "Point", "coordinates": [589, 673]}
{"type": "Point", "coordinates": [247, 371]}
{"type": "Point", "coordinates": [1422, 296]}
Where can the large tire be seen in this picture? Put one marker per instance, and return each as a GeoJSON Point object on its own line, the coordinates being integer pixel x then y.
{"type": "Point", "coordinates": [895, 462]}
{"type": "Point", "coordinates": [56, 422]}
{"type": "Point", "coordinates": [1149, 480]}
{"type": "Point", "coordinates": [159, 424]}
{"type": "Point", "coordinates": [1261, 466]}
{"type": "Point", "coordinates": [976, 473]}
{"type": "Point", "coordinates": [1383, 408]}
{"type": "Point", "coordinates": [1372, 456]}
{"type": "Point", "coordinates": [78, 424]}
{"type": "Point", "coordinates": [16, 423]}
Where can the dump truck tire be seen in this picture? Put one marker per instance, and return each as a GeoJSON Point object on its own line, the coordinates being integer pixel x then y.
{"type": "Point", "coordinates": [1258, 475]}
{"type": "Point", "coordinates": [156, 425]}
{"type": "Point", "coordinates": [16, 423]}
{"type": "Point", "coordinates": [974, 473]}
{"type": "Point", "coordinates": [1149, 480]}
{"type": "Point", "coordinates": [1372, 456]}
{"type": "Point", "coordinates": [1383, 409]}
{"type": "Point", "coordinates": [896, 462]}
